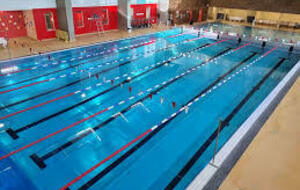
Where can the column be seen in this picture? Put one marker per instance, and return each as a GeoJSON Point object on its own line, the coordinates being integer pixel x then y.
{"type": "Point", "coordinates": [65, 17]}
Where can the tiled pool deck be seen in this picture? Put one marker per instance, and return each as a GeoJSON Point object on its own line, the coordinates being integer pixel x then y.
{"type": "Point", "coordinates": [272, 159]}
{"type": "Point", "coordinates": [16, 50]}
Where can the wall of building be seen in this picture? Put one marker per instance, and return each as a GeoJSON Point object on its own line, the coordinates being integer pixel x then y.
{"type": "Point", "coordinates": [109, 13]}
{"type": "Point", "coordinates": [134, 2]}
{"type": "Point", "coordinates": [12, 24]}
{"type": "Point", "coordinates": [30, 24]}
{"type": "Point", "coordinates": [139, 11]}
{"type": "Point", "coordinates": [285, 6]}
{"type": "Point", "coordinates": [94, 3]}
{"type": "Point", "coordinates": [35, 11]}
{"type": "Point", "coordinates": [40, 22]}
{"type": "Point", "coordinates": [186, 4]}
{"type": "Point", "coordinates": [180, 10]}
{"type": "Point", "coordinates": [10, 5]}
{"type": "Point", "coordinates": [162, 10]}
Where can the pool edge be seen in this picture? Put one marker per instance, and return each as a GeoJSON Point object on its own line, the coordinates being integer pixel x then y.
{"type": "Point", "coordinates": [211, 177]}
{"type": "Point", "coordinates": [80, 46]}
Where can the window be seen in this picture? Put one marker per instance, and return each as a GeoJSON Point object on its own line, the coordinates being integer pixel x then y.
{"type": "Point", "coordinates": [79, 19]}
{"type": "Point", "coordinates": [49, 21]}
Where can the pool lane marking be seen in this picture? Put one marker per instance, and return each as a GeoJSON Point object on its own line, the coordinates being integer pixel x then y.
{"type": "Point", "coordinates": [271, 50]}
{"type": "Point", "coordinates": [85, 70]}
{"type": "Point", "coordinates": [242, 46]}
{"type": "Point", "coordinates": [53, 90]}
{"type": "Point", "coordinates": [153, 131]}
{"type": "Point", "coordinates": [144, 44]}
{"type": "Point", "coordinates": [106, 159]}
{"type": "Point", "coordinates": [13, 133]}
{"type": "Point", "coordinates": [218, 42]}
{"type": "Point", "coordinates": [89, 69]}
{"type": "Point", "coordinates": [100, 72]}
{"type": "Point", "coordinates": [36, 106]}
{"type": "Point", "coordinates": [39, 160]}
{"type": "Point", "coordinates": [153, 50]}
{"type": "Point", "coordinates": [52, 134]}
{"type": "Point", "coordinates": [176, 35]}
{"type": "Point", "coordinates": [72, 66]}
{"type": "Point", "coordinates": [63, 61]}
{"type": "Point", "coordinates": [225, 123]}
{"type": "Point", "coordinates": [25, 86]}
{"type": "Point", "coordinates": [80, 58]}
{"type": "Point", "coordinates": [13, 72]}
{"type": "Point", "coordinates": [94, 47]}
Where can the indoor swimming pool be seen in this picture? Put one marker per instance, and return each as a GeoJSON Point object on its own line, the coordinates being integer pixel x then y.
{"type": "Point", "coordinates": [138, 113]}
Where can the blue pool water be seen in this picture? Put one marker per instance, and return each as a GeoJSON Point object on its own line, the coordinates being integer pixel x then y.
{"type": "Point", "coordinates": [129, 114]}
{"type": "Point", "coordinates": [254, 32]}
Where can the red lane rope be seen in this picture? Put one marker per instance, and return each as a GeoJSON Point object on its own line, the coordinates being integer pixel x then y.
{"type": "Point", "coordinates": [61, 130]}
{"type": "Point", "coordinates": [193, 39]}
{"type": "Point", "coordinates": [270, 51]}
{"type": "Point", "coordinates": [83, 63]}
{"type": "Point", "coordinates": [35, 106]}
{"type": "Point", "coordinates": [179, 34]}
{"type": "Point", "coordinates": [175, 35]}
{"type": "Point", "coordinates": [242, 46]}
{"type": "Point", "coordinates": [28, 85]}
{"type": "Point", "coordinates": [117, 152]}
{"type": "Point", "coordinates": [15, 72]}
{"type": "Point", "coordinates": [65, 96]}
{"type": "Point", "coordinates": [217, 42]}
{"type": "Point", "coordinates": [105, 160]}
{"type": "Point", "coordinates": [52, 134]}
{"type": "Point", "coordinates": [144, 44]}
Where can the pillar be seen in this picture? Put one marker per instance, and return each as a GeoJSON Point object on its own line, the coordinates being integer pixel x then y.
{"type": "Point", "coordinates": [163, 7]}
{"type": "Point", "coordinates": [65, 17]}
{"type": "Point", "coordinates": [123, 15]}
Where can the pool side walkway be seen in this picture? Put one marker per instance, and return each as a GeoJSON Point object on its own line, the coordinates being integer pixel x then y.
{"type": "Point", "coordinates": [272, 159]}
{"type": "Point", "coordinates": [17, 50]}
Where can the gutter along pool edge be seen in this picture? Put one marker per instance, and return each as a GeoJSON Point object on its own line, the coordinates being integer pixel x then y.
{"type": "Point", "coordinates": [211, 177]}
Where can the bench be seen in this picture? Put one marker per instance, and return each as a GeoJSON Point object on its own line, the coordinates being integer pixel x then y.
{"type": "Point", "coordinates": [62, 35]}
{"type": "Point", "coordinates": [236, 18]}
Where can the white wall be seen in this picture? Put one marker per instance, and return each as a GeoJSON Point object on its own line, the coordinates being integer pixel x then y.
{"type": "Point", "coordinates": [10, 5]}
{"type": "Point", "coordinates": [163, 5]}
{"type": "Point", "coordinates": [133, 2]}
{"type": "Point", "coordinates": [30, 25]}
{"type": "Point", "coordinates": [93, 3]}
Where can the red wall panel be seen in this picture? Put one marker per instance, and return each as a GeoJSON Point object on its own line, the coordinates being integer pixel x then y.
{"type": "Point", "coordinates": [12, 24]}
{"type": "Point", "coordinates": [40, 23]}
{"type": "Point", "coordinates": [139, 11]}
{"type": "Point", "coordinates": [89, 25]}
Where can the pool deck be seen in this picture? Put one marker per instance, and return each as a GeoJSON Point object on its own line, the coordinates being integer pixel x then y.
{"type": "Point", "coordinates": [272, 159]}
{"type": "Point", "coordinates": [16, 50]}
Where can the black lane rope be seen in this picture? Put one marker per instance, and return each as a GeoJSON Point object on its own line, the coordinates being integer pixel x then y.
{"type": "Point", "coordinates": [96, 57]}
{"type": "Point", "coordinates": [157, 129]}
{"type": "Point", "coordinates": [14, 133]}
{"type": "Point", "coordinates": [225, 123]}
{"type": "Point", "coordinates": [40, 160]}
{"type": "Point", "coordinates": [72, 83]}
